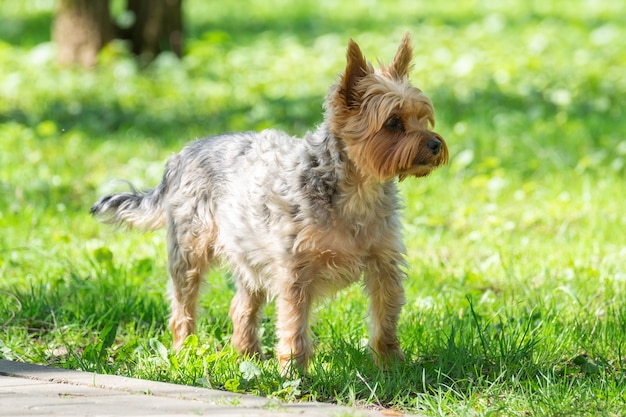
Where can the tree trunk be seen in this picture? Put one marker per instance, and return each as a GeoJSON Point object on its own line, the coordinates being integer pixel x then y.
{"type": "Point", "coordinates": [80, 29]}
{"type": "Point", "coordinates": [158, 27]}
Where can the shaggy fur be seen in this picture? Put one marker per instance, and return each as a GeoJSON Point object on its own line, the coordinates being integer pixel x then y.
{"type": "Point", "coordinates": [297, 219]}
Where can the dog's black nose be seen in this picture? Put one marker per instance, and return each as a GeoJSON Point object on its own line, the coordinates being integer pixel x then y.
{"type": "Point", "coordinates": [434, 145]}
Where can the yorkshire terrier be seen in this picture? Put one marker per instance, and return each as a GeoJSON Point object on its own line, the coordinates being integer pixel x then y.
{"type": "Point", "coordinates": [297, 219]}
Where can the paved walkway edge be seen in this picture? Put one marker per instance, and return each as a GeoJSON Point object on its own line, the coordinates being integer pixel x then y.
{"type": "Point", "coordinates": [121, 383]}
{"type": "Point", "coordinates": [175, 398]}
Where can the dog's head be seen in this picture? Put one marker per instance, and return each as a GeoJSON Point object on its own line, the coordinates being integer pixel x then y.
{"type": "Point", "coordinates": [383, 121]}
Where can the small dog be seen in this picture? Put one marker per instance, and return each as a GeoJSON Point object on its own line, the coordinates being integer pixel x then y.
{"type": "Point", "coordinates": [297, 219]}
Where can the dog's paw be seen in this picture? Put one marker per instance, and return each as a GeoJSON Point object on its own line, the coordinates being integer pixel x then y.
{"type": "Point", "coordinates": [386, 354]}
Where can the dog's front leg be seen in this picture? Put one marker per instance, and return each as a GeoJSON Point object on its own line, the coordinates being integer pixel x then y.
{"type": "Point", "coordinates": [294, 347]}
{"type": "Point", "coordinates": [383, 281]}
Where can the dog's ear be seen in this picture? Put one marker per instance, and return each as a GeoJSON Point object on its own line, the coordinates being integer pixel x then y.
{"type": "Point", "coordinates": [356, 68]}
{"type": "Point", "coordinates": [401, 65]}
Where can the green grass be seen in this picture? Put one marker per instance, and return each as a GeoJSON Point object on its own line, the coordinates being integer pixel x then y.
{"type": "Point", "coordinates": [517, 250]}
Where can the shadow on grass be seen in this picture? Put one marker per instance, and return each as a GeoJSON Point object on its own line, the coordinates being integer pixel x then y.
{"type": "Point", "coordinates": [297, 115]}
{"type": "Point", "coordinates": [472, 354]}
{"type": "Point", "coordinates": [474, 361]}
{"type": "Point", "coordinates": [524, 128]}
{"type": "Point", "coordinates": [97, 120]}
{"type": "Point", "coordinates": [107, 295]}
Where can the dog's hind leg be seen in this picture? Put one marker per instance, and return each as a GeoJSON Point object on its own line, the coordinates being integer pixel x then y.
{"type": "Point", "coordinates": [245, 312]}
{"type": "Point", "coordinates": [189, 255]}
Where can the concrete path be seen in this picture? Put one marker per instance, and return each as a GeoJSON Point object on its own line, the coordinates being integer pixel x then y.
{"type": "Point", "coordinates": [34, 390]}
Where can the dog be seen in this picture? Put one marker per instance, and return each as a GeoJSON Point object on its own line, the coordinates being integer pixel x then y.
{"type": "Point", "coordinates": [297, 219]}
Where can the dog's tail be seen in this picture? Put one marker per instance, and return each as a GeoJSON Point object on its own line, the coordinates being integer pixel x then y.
{"type": "Point", "coordinates": [143, 210]}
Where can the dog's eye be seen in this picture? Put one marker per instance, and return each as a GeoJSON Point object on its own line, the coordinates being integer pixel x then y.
{"type": "Point", "coordinates": [394, 123]}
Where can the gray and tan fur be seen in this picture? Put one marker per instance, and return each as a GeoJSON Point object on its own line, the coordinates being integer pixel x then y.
{"type": "Point", "coordinates": [297, 219]}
